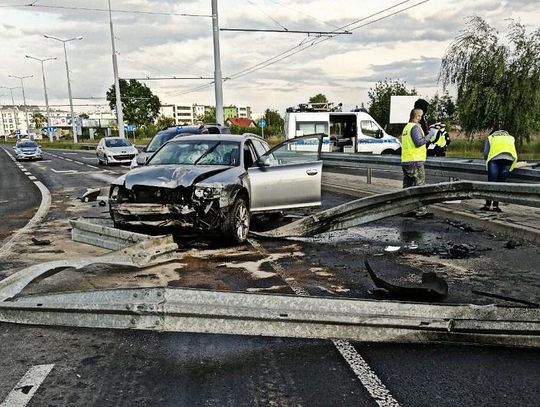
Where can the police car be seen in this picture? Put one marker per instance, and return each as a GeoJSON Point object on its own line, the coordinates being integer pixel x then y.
{"type": "Point", "coordinates": [348, 132]}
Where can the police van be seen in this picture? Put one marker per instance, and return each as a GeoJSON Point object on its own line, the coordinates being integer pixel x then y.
{"type": "Point", "coordinates": [347, 132]}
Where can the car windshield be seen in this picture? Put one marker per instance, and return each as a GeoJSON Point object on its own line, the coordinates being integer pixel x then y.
{"type": "Point", "coordinates": [158, 140]}
{"type": "Point", "coordinates": [27, 144]}
{"type": "Point", "coordinates": [117, 142]}
{"type": "Point", "coordinates": [198, 152]}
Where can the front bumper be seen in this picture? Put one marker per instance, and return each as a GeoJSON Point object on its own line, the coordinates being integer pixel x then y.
{"type": "Point", "coordinates": [162, 215]}
{"type": "Point", "coordinates": [27, 156]}
{"type": "Point", "coordinates": [120, 159]}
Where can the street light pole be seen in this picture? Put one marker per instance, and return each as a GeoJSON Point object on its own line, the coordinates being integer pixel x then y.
{"type": "Point", "coordinates": [119, 112]}
{"type": "Point", "coordinates": [24, 97]}
{"type": "Point", "coordinates": [73, 124]}
{"type": "Point", "coordinates": [45, 89]}
{"type": "Point", "coordinates": [218, 80]}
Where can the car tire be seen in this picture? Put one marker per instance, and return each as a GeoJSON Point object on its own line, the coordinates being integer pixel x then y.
{"type": "Point", "coordinates": [105, 161]}
{"type": "Point", "coordinates": [236, 224]}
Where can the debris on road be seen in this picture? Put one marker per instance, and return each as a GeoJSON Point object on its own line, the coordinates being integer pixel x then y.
{"type": "Point", "coordinates": [460, 225]}
{"type": "Point", "coordinates": [90, 195]}
{"type": "Point", "coordinates": [505, 298]}
{"type": "Point", "coordinates": [39, 242]}
{"type": "Point", "coordinates": [431, 288]}
{"type": "Point", "coordinates": [392, 249]}
{"type": "Point", "coordinates": [511, 244]}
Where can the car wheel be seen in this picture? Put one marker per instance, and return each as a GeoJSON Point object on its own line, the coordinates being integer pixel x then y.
{"type": "Point", "coordinates": [236, 225]}
{"type": "Point", "coordinates": [105, 161]}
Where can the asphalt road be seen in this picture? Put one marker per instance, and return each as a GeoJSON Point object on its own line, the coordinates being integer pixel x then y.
{"type": "Point", "coordinates": [117, 368]}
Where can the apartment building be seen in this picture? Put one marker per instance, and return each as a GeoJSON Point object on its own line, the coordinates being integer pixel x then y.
{"type": "Point", "coordinates": [189, 113]}
{"type": "Point", "coordinates": [13, 118]}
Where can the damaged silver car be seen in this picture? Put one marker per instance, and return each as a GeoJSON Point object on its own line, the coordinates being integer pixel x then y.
{"type": "Point", "coordinates": [213, 183]}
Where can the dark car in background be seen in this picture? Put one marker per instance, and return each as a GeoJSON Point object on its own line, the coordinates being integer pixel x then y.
{"type": "Point", "coordinates": [169, 133]}
{"type": "Point", "coordinates": [27, 150]}
{"type": "Point", "coordinates": [213, 183]}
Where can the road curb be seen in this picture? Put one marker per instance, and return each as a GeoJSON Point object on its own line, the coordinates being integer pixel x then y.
{"type": "Point", "coordinates": [511, 230]}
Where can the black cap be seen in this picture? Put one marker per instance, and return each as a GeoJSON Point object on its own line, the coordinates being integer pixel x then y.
{"type": "Point", "coordinates": [421, 104]}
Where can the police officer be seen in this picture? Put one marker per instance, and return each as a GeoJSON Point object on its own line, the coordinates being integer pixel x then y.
{"type": "Point", "coordinates": [439, 140]}
{"type": "Point", "coordinates": [413, 155]}
{"type": "Point", "coordinates": [501, 157]}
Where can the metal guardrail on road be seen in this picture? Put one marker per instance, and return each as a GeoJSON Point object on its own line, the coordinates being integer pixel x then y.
{"type": "Point", "coordinates": [446, 167]}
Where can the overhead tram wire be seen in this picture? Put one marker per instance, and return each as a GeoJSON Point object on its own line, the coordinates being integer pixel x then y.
{"type": "Point", "coordinates": [303, 46]}
{"type": "Point", "coordinates": [115, 10]}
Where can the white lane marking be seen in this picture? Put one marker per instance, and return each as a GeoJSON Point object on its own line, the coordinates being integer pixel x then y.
{"type": "Point", "coordinates": [24, 390]}
{"type": "Point", "coordinates": [64, 171]}
{"type": "Point", "coordinates": [69, 159]}
{"type": "Point", "coordinates": [32, 178]}
{"type": "Point", "coordinates": [363, 372]}
{"type": "Point", "coordinates": [89, 158]}
{"type": "Point", "coordinates": [71, 153]}
{"type": "Point", "coordinates": [1, 202]}
{"type": "Point", "coordinates": [42, 211]}
{"type": "Point", "coordinates": [367, 376]}
{"type": "Point", "coordinates": [92, 166]}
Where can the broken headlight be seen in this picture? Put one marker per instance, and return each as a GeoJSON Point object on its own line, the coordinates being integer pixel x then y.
{"type": "Point", "coordinates": [114, 195]}
{"type": "Point", "coordinates": [207, 192]}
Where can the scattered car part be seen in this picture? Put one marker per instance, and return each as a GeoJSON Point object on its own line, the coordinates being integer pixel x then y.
{"type": "Point", "coordinates": [90, 195]}
{"type": "Point", "coordinates": [431, 288]}
{"type": "Point", "coordinates": [144, 254]}
{"type": "Point", "coordinates": [188, 310]}
{"type": "Point", "coordinates": [41, 242]}
{"type": "Point", "coordinates": [505, 298]}
{"type": "Point", "coordinates": [101, 232]}
{"type": "Point", "coordinates": [511, 244]}
{"type": "Point", "coordinates": [381, 206]}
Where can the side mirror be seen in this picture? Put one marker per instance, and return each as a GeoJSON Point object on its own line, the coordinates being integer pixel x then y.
{"type": "Point", "coordinates": [379, 133]}
{"type": "Point", "coordinates": [264, 161]}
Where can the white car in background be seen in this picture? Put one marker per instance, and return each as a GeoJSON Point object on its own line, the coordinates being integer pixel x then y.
{"type": "Point", "coordinates": [115, 150]}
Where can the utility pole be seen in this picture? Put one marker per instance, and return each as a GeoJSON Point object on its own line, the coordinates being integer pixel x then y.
{"type": "Point", "coordinates": [119, 112]}
{"type": "Point", "coordinates": [24, 97]}
{"type": "Point", "coordinates": [73, 124]}
{"type": "Point", "coordinates": [15, 111]}
{"type": "Point", "coordinates": [218, 80]}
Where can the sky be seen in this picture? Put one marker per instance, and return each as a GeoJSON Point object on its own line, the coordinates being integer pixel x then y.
{"type": "Point", "coordinates": [408, 46]}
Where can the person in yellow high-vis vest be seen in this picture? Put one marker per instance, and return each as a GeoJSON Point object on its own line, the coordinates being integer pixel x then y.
{"type": "Point", "coordinates": [501, 158]}
{"type": "Point", "coordinates": [413, 154]}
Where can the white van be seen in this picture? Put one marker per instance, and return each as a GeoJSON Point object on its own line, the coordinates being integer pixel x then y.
{"type": "Point", "coordinates": [348, 132]}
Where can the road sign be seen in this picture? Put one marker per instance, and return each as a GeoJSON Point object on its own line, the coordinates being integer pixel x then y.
{"type": "Point", "coordinates": [47, 129]}
{"type": "Point", "coordinates": [262, 123]}
{"type": "Point", "coordinates": [18, 132]}
{"type": "Point", "coordinates": [130, 127]}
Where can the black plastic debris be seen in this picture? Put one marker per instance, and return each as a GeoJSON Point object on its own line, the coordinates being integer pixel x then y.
{"type": "Point", "coordinates": [102, 203]}
{"type": "Point", "coordinates": [39, 242]}
{"type": "Point", "coordinates": [432, 287]}
{"type": "Point", "coordinates": [460, 225]}
{"type": "Point", "coordinates": [511, 244]}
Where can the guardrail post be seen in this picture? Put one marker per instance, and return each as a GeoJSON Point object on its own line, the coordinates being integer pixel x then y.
{"type": "Point", "coordinates": [369, 174]}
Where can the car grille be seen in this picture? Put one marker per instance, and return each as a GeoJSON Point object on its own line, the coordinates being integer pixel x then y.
{"type": "Point", "coordinates": [124, 156]}
{"type": "Point", "coordinates": [157, 195]}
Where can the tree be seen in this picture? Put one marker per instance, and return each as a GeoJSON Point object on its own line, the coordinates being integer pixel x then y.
{"type": "Point", "coordinates": [497, 81]}
{"type": "Point", "coordinates": [273, 118]}
{"type": "Point", "coordinates": [39, 120]}
{"type": "Point", "coordinates": [209, 115]}
{"type": "Point", "coordinates": [441, 109]}
{"type": "Point", "coordinates": [318, 98]}
{"type": "Point", "coordinates": [139, 104]}
{"type": "Point", "coordinates": [84, 116]}
{"type": "Point", "coordinates": [379, 99]}
{"type": "Point", "coordinates": [165, 121]}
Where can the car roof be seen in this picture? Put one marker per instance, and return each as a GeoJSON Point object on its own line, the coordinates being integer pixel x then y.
{"type": "Point", "coordinates": [113, 138]}
{"type": "Point", "coordinates": [217, 137]}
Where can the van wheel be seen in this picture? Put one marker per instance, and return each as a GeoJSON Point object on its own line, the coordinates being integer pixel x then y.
{"type": "Point", "coordinates": [236, 224]}
{"type": "Point", "coordinates": [387, 152]}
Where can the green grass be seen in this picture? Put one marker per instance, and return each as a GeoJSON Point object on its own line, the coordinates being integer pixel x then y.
{"type": "Point", "coordinates": [475, 149]}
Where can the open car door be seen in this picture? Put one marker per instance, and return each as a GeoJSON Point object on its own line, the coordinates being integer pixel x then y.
{"type": "Point", "coordinates": [288, 176]}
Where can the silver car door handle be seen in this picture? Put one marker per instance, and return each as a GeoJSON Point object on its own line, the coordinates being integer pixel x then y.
{"type": "Point", "coordinates": [312, 172]}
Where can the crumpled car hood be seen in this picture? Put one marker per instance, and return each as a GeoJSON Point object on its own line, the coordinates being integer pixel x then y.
{"type": "Point", "coordinates": [169, 176]}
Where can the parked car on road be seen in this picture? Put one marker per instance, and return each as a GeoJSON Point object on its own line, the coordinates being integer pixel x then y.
{"type": "Point", "coordinates": [27, 150]}
{"type": "Point", "coordinates": [115, 150]}
{"type": "Point", "coordinates": [213, 183]}
{"type": "Point", "coordinates": [169, 133]}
